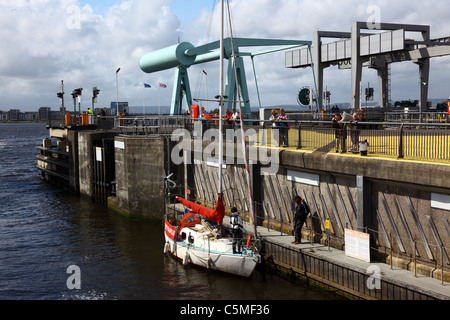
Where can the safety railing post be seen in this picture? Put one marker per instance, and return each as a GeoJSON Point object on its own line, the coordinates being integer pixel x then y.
{"type": "Point", "coordinates": [299, 144]}
{"type": "Point", "coordinates": [400, 144]}
{"type": "Point", "coordinates": [328, 238]}
{"type": "Point", "coordinates": [415, 259]}
{"type": "Point", "coordinates": [263, 138]}
{"type": "Point", "coordinates": [442, 264]}
{"type": "Point", "coordinates": [392, 253]}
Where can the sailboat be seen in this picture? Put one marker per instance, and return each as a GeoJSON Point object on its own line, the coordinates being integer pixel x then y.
{"type": "Point", "coordinates": [199, 237]}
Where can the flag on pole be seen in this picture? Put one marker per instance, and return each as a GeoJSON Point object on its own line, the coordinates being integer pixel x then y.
{"type": "Point", "coordinates": [146, 85]}
{"type": "Point", "coordinates": [162, 85]}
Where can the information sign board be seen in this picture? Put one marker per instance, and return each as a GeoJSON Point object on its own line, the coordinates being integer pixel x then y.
{"type": "Point", "coordinates": [357, 245]}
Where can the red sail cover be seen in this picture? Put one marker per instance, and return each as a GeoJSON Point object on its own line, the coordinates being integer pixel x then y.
{"type": "Point", "coordinates": [215, 214]}
{"type": "Point", "coordinates": [170, 230]}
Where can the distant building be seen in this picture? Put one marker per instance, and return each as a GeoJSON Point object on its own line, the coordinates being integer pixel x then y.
{"type": "Point", "coordinates": [13, 115]}
{"type": "Point", "coordinates": [122, 105]}
{"type": "Point", "coordinates": [28, 116]}
{"type": "Point", "coordinates": [46, 114]}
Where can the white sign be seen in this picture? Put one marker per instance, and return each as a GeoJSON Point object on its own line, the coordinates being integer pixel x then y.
{"type": "Point", "coordinates": [440, 201]}
{"type": "Point", "coordinates": [357, 245]}
{"type": "Point", "coordinates": [98, 153]}
{"type": "Point", "coordinates": [302, 177]}
{"type": "Point", "coordinates": [214, 162]}
{"type": "Point", "coordinates": [119, 145]}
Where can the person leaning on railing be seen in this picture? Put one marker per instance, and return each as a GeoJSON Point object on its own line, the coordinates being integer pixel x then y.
{"type": "Point", "coordinates": [275, 125]}
{"type": "Point", "coordinates": [353, 124]}
{"type": "Point", "coordinates": [339, 132]}
{"type": "Point", "coordinates": [284, 127]}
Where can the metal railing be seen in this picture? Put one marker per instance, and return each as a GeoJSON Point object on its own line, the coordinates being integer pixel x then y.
{"type": "Point", "coordinates": [417, 117]}
{"type": "Point", "coordinates": [421, 141]}
{"type": "Point", "coordinates": [315, 231]}
{"type": "Point", "coordinates": [150, 126]}
{"type": "Point", "coordinates": [415, 141]}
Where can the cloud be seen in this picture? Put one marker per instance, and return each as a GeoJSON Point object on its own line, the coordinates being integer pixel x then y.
{"type": "Point", "coordinates": [46, 41]}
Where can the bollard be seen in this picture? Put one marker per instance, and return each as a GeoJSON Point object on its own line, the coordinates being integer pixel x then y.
{"type": "Point", "coordinates": [67, 119]}
{"type": "Point", "coordinates": [84, 118]}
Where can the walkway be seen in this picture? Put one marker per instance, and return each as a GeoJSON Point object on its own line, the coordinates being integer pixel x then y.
{"type": "Point", "coordinates": [401, 277]}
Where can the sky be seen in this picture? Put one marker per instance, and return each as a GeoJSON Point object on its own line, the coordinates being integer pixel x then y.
{"type": "Point", "coordinates": [84, 42]}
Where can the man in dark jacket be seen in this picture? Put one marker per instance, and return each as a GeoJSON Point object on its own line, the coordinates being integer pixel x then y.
{"type": "Point", "coordinates": [300, 214]}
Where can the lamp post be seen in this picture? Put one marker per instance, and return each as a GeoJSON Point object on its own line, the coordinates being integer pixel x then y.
{"type": "Point", "coordinates": [60, 94]}
{"type": "Point", "coordinates": [77, 94]}
{"type": "Point", "coordinates": [74, 96]}
{"type": "Point", "coordinates": [206, 86]}
{"type": "Point", "coordinates": [117, 91]}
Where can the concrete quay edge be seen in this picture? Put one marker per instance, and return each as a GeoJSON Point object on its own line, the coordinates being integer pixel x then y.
{"type": "Point", "coordinates": [401, 277]}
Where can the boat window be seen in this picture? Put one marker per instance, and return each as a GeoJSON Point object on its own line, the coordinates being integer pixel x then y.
{"type": "Point", "coordinates": [183, 235]}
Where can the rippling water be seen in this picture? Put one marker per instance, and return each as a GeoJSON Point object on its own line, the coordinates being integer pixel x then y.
{"type": "Point", "coordinates": [44, 230]}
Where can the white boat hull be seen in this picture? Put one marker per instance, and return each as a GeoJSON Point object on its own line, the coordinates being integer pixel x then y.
{"type": "Point", "coordinates": [208, 252]}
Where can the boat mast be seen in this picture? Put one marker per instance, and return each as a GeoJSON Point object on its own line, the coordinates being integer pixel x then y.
{"type": "Point", "coordinates": [221, 98]}
{"type": "Point", "coordinates": [244, 152]}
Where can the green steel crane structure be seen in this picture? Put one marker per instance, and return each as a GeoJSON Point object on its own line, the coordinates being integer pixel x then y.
{"type": "Point", "coordinates": [183, 55]}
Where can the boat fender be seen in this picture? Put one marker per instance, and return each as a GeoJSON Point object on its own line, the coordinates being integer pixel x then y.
{"type": "Point", "coordinates": [190, 238]}
{"type": "Point", "coordinates": [166, 247]}
{"type": "Point", "coordinates": [174, 248]}
{"type": "Point", "coordinates": [186, 259]}
{"type": "Point", "coordinates": [249, 241]}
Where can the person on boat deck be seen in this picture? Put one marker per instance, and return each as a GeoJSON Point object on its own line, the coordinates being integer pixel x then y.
{"type": "Point", "coordinates": [227, 117]}
{"type": "Point", "coordinates": [235, 117]}
{"type": "Point", "coordinates": [300, 214]}
{"type": "Point", "coordinates": [237, 230]}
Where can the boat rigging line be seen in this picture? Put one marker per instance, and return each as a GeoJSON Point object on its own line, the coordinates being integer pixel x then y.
{"type": "Point", "coordinates": [243, 144]}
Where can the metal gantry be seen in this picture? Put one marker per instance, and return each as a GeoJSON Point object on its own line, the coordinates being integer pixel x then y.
{"type": "Point", "coordinates": [375, 49]}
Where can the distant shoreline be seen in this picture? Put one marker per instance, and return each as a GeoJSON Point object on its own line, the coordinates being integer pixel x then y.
{"type": "Point", "coordinates": [24, 121]}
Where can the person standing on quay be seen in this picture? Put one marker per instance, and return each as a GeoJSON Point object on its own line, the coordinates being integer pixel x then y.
{"type": "Point", "coordinates": [284, 127]}
{"type": "Point", "coordinates": [90, 114]}
{"type": "Point", "coordinates": [339, 133]}
{"type": "Point", "coordinates": [354, 126]}
{"type": "Point", "coordinates": [275, 125]}
{"type": "Point", "coordinates": [300, 214]}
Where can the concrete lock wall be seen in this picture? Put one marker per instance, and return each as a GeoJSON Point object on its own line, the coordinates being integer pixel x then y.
{"type": "Point", "coordinates": [390, 199]}
{"type": "Point", "coordinates": [399, 203]}
{"type": "Point", "coordinates": [86, 158]}
{"type": "Point", "coordinates": [79, 144]}
{"type": "Point", "coordinates": [140, 167]}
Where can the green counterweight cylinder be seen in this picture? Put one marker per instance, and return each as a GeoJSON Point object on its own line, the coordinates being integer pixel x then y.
{"type": "Point", "coordinates": [167, 58]}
